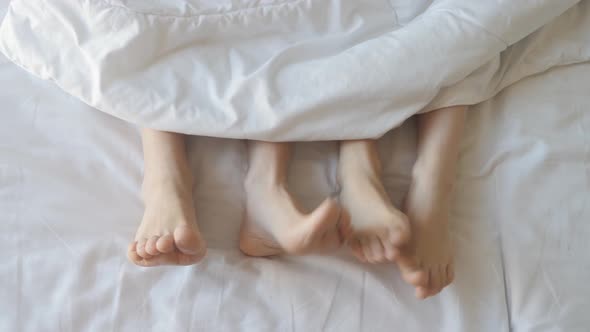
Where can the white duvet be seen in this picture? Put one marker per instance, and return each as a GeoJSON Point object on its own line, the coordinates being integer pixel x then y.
{"type": "Point", "coordinates": [288, 69]}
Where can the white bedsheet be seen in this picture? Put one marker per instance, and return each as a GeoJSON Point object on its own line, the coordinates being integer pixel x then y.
{"type": "Point", "coordinates": [69, 203]}
{"type": "Point", "coordinates": [69, 196]}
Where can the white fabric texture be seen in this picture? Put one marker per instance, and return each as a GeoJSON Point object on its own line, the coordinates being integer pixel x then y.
{"type": "Point", "coordinates": [69, 200]}
{"type": "Point", "coordinates": [69, 195]}
{"type": "Point", "coordinates": [286, 69]}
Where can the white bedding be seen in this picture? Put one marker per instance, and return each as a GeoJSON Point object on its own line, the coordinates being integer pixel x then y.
{"type": "Point", "coordinates": [69, 196]}
{"type": "Point", "coordinates": [288, 69]}
{"type": "Point", "coordinates": [69, 202]}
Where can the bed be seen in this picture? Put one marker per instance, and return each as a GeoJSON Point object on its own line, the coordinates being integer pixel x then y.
{"type": "Point", "coordinates": [70, 180]}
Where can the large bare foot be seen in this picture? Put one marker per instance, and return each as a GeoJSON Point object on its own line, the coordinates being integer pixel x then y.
{"type": "Point", "coordinates": [427, 261]}
{"type": "Point", "coordinates": [379, 229]}
{"type": "Point", "coordinates": [168, 234]}
{"type": "Point", "coordinates": [275, 224]}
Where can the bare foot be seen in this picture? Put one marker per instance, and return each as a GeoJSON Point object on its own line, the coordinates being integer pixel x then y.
{"type": "Point", "coordinates": [427, 262]}
{"type": "Point", "coordinates": [274, 223]}
{"type": "Point", "coordinates": [168, 234]}
{"type": "Point", "coordinates": [379, 229]}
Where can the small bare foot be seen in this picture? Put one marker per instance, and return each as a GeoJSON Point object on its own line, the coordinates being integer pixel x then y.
{"type": "Point", "coordinates": [168, 234]}
{"type": "Point", "coordinates": [379, 229]}
{"type": "Point", "coordinates": [274, 223]}
{"type": "Point", "coordinates": [427, 261]}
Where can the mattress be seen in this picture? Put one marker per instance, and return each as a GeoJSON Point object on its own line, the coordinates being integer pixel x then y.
{"type": "Point", "coordinates": [70, 199]}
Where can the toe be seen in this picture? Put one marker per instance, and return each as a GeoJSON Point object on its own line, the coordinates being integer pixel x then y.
{"type": "Point", "coordinates": [445, 281]}
{"type": "Point", "coordinates": [422, 293]}
{"type": "Point", "coordinates": [187, 240]}
{"type": "Point", "coordinates": [411, 270]}
{"type": "Point", "coordinates": [140, 248]}
{"type": "Point", "coordinates": [165, 244]}
{"type": "Point", "coordinates": [377, 250]}
{"type": "Point", "coordinates": [357, 250]}
{"type": "Point", "coordinates": [175, 258]}
{"type": "Point", "coordinates": [390, 252]}
{"type": "Point", "coordinates": [344, 225]}
{"type": "Point", "coordinates": [131, 248]}
{"type": "Point", "coordinates": [150, 246]}
{"type": "Point", "coordinates": [450, 271]}
{"type": "Point", "coordinates": [159, 260]}
{"type": "Point", "coordinates": [416, 278]}
{"type": "Point", "coordinates": [360, 256]}
{"type": "Point", "coordinates": [132, 253]}
{"type": "Point", "coordinates": [436, 280]}
{"type": "Point", "coordinates": [366, 249]}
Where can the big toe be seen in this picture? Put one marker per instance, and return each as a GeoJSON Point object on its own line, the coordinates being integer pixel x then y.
{"type": "Point", "coordinates": [165, 244]}
{"type": "Point", "coordinates": [445, 277]}
{"type": "Point", "coordinates": [188, 241]}
{"type": "Point", "coordinates": [450, 272]}
{"type": "Point", "coordinates": [438, 281]}
{"type": "Point", "coordinates": [411, 271]}
{"type": "Point", "coordinates": [416, 278]}
{"type": "Point", "coordinates": [422, 293]}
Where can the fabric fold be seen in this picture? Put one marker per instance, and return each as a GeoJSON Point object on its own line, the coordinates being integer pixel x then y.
{"type": "Point", "coordinates": [280, 70]}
